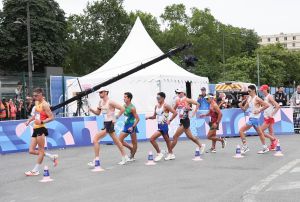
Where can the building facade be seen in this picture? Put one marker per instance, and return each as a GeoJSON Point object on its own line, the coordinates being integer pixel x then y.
{"type": "Point", "coordinates": [290, 41]}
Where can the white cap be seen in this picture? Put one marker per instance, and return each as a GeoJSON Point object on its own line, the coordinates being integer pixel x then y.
{"type": "Point", "coordinates": [180, 90]}
{"type": "Point", "coordinates": [103, 89]}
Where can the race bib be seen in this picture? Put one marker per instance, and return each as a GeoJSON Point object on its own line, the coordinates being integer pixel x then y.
{"type": "Point", "coordinates": [37, 116]}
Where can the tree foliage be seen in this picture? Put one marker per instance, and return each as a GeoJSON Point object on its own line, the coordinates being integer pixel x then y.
{"type": "Point", "coordinates": [48, 34]}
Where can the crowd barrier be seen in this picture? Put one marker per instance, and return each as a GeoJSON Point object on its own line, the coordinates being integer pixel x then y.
{"type": "Point", "coordinates": [79, 131]}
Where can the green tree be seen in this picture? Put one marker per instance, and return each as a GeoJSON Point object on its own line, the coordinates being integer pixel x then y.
{"type": "Point", "coordinates": [95, 36]}
{"type": "Point", "coordinates": [48, 34]}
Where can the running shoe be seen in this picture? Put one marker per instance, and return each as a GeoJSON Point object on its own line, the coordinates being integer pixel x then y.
{"type": "Point", "coordinates": [131, 159]}
{"type": "Point", "coordinates": [91, 164]}
{"type": "Point", "coordinates": [224, 142]}
{"type": "Point", "coordinates": [55, 159]}
{"type": "Point", "coordinates": [202, 148]}
{"type": "Point", "coordinates": [159, 156]}
{"type": "Point", "coordinates": [264, 150]}
{"type": "Point", "coordinates": [124, 160]}
{"type": "Point", "coordinates": [211, 150]}
{"type": "Point", "coordinates": [170, 157]}
{"type": "Point", "coordinates": [32, 173]}
{"type": "Point", "coordinates": [244, 149]}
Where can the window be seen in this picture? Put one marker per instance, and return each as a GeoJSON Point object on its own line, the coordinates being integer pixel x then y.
{"type": "Point", "coordinates": [294, 37]}
{"type": "Point", "coordinates": [294, 44]}
{"type": "Point", "coordinates": [269, 39]}
{"type": "Point", "coordinates": [285, 38]}
{"type": "Point", "coordinates": [285, 45]}
{"type": "Point", "coordinates": [277, 39]}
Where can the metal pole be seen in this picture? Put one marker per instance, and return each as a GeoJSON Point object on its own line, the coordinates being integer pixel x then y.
{"type": "Point", "coordinates": [29, 50]}
{"type": "Point", "coordinates": [258, 78]}
{"type": "Point", "coordinates": [223, 52]}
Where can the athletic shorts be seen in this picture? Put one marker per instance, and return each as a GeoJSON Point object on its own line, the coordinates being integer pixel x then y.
{"type": "Point", "coordinates": [253, 122]}
{"type": "Point", "coordinates": [109, 126]}
{"type": "Point", "coordinates": [211, 126]}
{"type": "Point", "coordinates": [269, 120]}
{"type": "Point", "coordinates": [39, 132]}
{"type": "Point", "coordinates": [127, 126]}
{"type": "Point", "coordinates": [163, 129]}
{"type": "Point", "coordinates": [185, 123]}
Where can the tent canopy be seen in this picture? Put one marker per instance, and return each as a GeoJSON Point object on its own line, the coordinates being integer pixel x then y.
{"type": "Point", "coordinates": [137, 49]}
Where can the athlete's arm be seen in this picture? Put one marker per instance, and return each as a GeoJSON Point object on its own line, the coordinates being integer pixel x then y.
{"type": "Point", "coordinates": [190, 101]}
{"type": "Point", "coordinates": [275, 104]}
{"type": "Point", "coordinates": [244, 108]}
{"type": "Point", "coordinates": [96, 112]}
{"type": "Point", "coordinates": [49, 113]}
{"type": "Point", "coordinates": [174, 112]}
{"type": "Point", "coordinates": [136, 116]}
{"type": "Point", "coordinates": [117, 106]}
{"type": "Point", "coordinates": [153, 116]}
{"type": "Point", "coordinates": [218, 111]}
{"type": "Point", "coordinates": [263, 104]}
{"type": "Point", "coordinates": [29, 120]}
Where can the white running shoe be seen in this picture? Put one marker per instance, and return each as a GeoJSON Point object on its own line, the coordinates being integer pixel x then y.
{"type": "Point", "coordinates": [202, 148]}
{"type": "Point", "coordinates": [170, 157]}
{"type": "Point", "coordinates": [124, 160]}
{"type": "Point", "coordinates": [91, 164]}
{"type": "Point", "coordinates": [131, 159]}
{"type": "Point", "coordinates": [32, 173]}
{"type": "Point", "coordinates": [244, 149]}
{"type": "Point", "coordinates": [264, 150]}
{"type": "Point", "coordinates": [159, 156]}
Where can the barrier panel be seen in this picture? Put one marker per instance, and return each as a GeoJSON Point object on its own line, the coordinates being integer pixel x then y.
{"type": "Point", "coordinates": [79, 131]}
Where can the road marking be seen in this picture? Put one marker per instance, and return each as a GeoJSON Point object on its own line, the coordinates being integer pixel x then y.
{"type": "Point", "coordinates": [295, 170]}
{"type": "Point", "coordinates": [249, 195]}
{"type": "Point", "coordinates": [286, 186]}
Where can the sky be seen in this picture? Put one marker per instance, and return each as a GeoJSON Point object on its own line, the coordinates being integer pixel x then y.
{"type": "Point", "coordinates": [264, 16]}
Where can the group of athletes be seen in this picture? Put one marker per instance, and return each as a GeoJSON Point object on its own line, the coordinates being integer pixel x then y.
{"type": "Point", "coordinates": [165, 114]}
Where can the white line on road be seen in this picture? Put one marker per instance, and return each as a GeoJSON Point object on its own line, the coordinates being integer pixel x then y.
{"type": "Point", "coordinates": [249, 195]}
{"type": "Point", "coordinates": [295, 170]}
{"type": "Point", "coordinates": [286, 186]}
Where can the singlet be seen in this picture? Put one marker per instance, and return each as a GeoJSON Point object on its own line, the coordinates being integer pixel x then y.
{"type": "Point", "coordinates": [270, 109]}
{"type": "Point", "coordinates": [213, 114]}
{"type": "Point", "coordinates": [106, 111]}
{"type": "Point", "coordinates": [204, 105]}
{"type": "Point", "coordinates": [13, 110]}
{"type": "Point", "coordinates": [129, 118]}
{"type": "Point", "coordinates": [161, 115]}
{"type": "Point", "coordinates": [183, 108]}
{"type": "Point", "coordinates": [39, 114]}
{"type": "Point", "coordinates": [253, 108]}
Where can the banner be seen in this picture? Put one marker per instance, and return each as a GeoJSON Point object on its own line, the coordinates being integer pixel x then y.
{"type": "Point", "coordinates": [79, 131]}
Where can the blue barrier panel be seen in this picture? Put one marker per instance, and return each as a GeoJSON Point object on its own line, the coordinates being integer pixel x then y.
{"type": "Point", "coordinates": [79, 131]}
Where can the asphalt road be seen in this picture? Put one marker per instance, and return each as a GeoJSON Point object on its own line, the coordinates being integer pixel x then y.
{"type": "Point", "coordinates": [219, 177]}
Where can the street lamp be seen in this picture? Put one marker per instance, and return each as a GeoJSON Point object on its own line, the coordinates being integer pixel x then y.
{"type": "Point", "coordinates": [29, 51]}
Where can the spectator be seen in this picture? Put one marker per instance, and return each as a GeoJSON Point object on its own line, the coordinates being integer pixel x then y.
{"type": "Point", "coordinates": [295, 100]}
{"type": "Point", "coordinates": [21, 110]}
{"type": "Point", "coordinates": [13, 110]}
{"type": "Point", "coordinates": [19, 91]}
{"type": "Point", "coordinates": [29, 105]}
{"type": "Point", "coordinates": [2, 111]}
{"type": "Point", "coordinates": [223, 102]}
{"type": "Point", "coordinates": [280, 96]}
{"type": "Point", "coordinates": [204, 105]}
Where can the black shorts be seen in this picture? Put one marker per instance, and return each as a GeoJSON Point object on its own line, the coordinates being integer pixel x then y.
{"type": "Point", "coordinates": [185, 123]}
{"type": "Point", "coordinates": [109, 127]}
{"type": "Point", "coordinates": [39, 132]}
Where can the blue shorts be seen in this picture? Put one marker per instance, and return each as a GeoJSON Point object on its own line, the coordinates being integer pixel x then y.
{"type": "Point", "coordinates": [127, 126]}
{"type": "Point", "coordinates": [163, 129]}
{"type": "Point", "coordinates": [253, 122]}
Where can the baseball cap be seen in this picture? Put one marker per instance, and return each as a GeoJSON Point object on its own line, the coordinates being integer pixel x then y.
{"type": "Point", "coordinates": [180, 90]}
{"type": "Point", "coordinates": [103, 89]}
{"type": "Point", "coordinates": [264, 87]}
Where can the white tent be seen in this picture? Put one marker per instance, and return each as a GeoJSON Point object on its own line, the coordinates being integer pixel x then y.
{"type": "Point", "coordinates": [163, 76]}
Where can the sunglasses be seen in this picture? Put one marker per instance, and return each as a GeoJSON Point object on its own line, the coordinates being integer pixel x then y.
{"type": "Point", "coordinates": [158, 98]}
{"type": "Point", "coordinates": [101, 92]}
{"type": "Point", "coordinates": [35, 95]}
